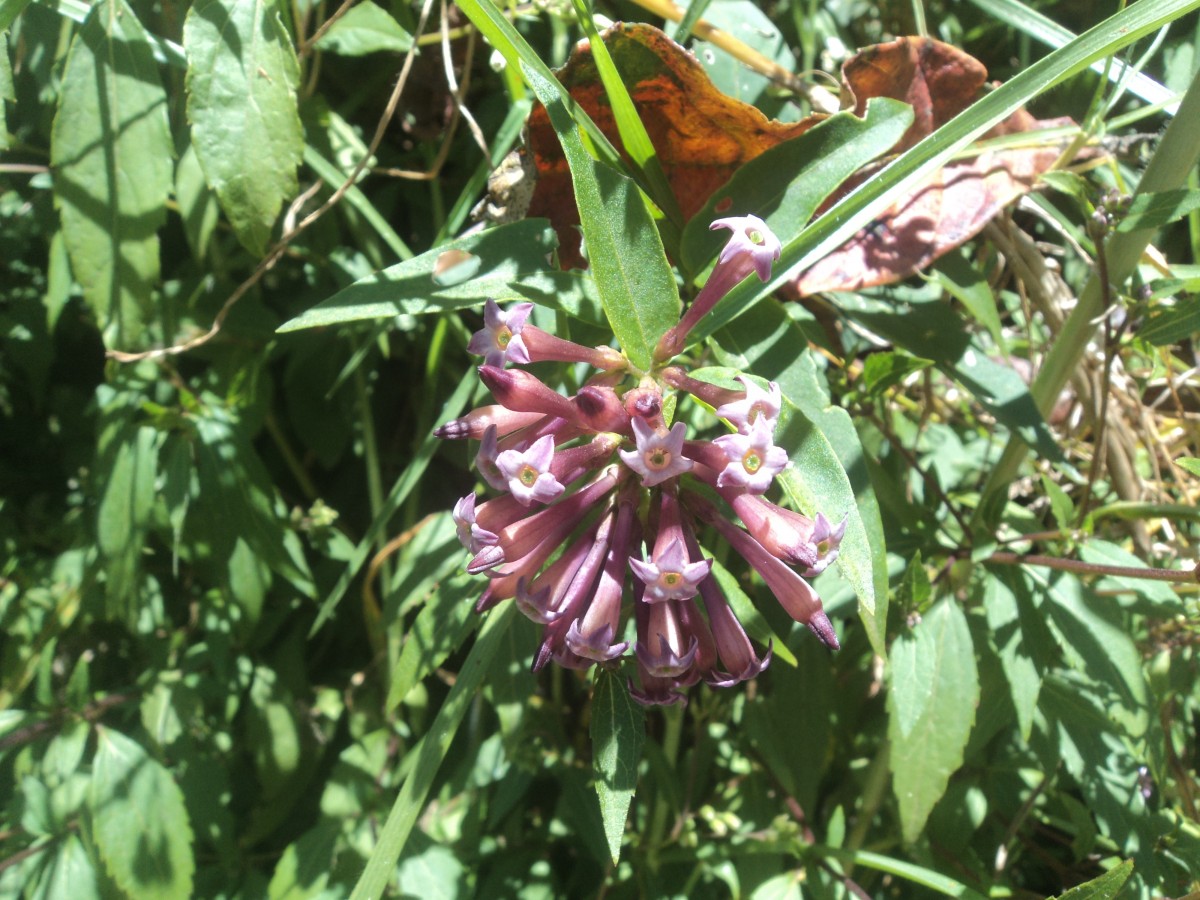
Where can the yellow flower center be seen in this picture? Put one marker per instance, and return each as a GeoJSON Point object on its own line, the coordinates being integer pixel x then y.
{"type": "Point", "coordinates": [752, 462]}
{"type": "Point", "coordinates": [528, 476]}
{"type": "Point", "coordinates": [658, 459]}
{"type": "Point", "coordinates": [670, 579]}
{"type": "Point", "coordinates": [756, 236]}
{"type": "Point", "coordinates": [503, 336]}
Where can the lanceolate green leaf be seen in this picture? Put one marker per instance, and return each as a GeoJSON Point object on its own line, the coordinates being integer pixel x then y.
{"type": "Point", "coordinates": [911, 169]}
{"type": "Point", "coordinates": [487, 264]}
{"type": "Point", "coordinates": [365, 28]}
{"type": "Point", "coordinates": [618, 731]}
{"type": "Point", "coordinates": [111, 155]}
{"type": "Point", "coordinates": [241, 85]}
{"type": "Point", "coordinates": [625, 253]}
{"type": "Point", "coordinates": [139, 822]}
{"type": "Point", "coordinates": [1104, 887]}
{"type": "Point", "coordinates": [931, 709]}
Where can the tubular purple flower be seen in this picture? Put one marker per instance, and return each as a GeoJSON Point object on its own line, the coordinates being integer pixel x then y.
{"type": "Point", "coordinates": [657, 457]}
{"type": "Point", "coordinates": [732, 645]}
{"type": "Point", "coordinates": [499, 341]}
{"type": "Point", "coordinates": [794, 594]}
{"type": "Point", "coordinates": [542, 346]}
{"type": "Point", "coordinates": [756, 404]}
{"type": "Point", "coordinates": [593, 635]}
{"type": "Point", "coordinates": [471, 535]}
{"type": "Point", "coordinates": [670, 575]}
{"type": "Point", "coordinates": [753, 459]}
{"type": "Point", "coordinates": [579, 594]}
{"type": "Point", "coordinates": [785, 534]}
{"type": "Point", "coordinates": [675, 654]}
{"type": "Point", "coordinates": [476, 422]}
{"type": "Point", "coordinates": [752, 247]}
{"type": "Point", "coordinates": [541, 599]}
{"type": "Point", "coordinates": [535, 536]}
{"type": "Point", "coordinates": [527, 472]}
{"type": "Point", "coordinates": [714, 395]}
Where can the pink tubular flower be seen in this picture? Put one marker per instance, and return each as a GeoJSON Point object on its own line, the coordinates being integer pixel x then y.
{"type": "Point", "coordinates": [754, 460]}
{"type": "Point", "coordinates": [783, 533]}
{"type": "Point", "coordinates": [527, 473]}
{"type": "Point", "coordinates": [756, 404]}
{"type": "Point", "coordinates": [657, 457]}
{"type": "Point", "coordinates": [827, 538]}
{"type": "Point", "coordinates": [541, 346]}
{"type": "Point", "coordinates": [671, 575]}
{"type": "Point", "coordinates": [499, 341]}
{"type": "Point", "coordinates": [476, 422]}
{"type": "Point", "coordinates": [794, 594]}
{"type": "Point", "coordinates": [594, 635]}
{"type": "Point", "coordinates": [752, 247]}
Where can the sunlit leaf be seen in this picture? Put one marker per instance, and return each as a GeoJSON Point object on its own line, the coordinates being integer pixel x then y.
{"type": "Point", "coordinates": [933, 693]}
{"type": "Point", "coordinates": [139, 822]}
{"type": "Point", "coordinates": [241, 85]}
{"type": "Point", "coordinates": [111, 153]}
{"type": "Point", "coordinates": [617, 735]}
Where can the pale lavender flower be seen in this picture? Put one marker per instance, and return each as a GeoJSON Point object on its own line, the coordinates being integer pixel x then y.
{"type": "Point", "coordinates": [756, 404]}
{"type": "Point", "coordinates": [499, 341]}
{"type": "Point", "coordinates": [827, 538]}
{"type": "Point", "coordinates": [470, 534]}
{"type": "Point", "coordinates": [754, 460]}
{"type": "Point", "coordinates": [657, 457]}
{"type": "Point", "coordinates": [485, 460]}
{"type": "Point", "coordinates": [670, 575]}
{"type": "Point", "coordinates": [527, 472]}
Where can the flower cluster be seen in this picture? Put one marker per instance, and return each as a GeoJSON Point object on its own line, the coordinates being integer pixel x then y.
{"type": "Point", "coordinates": [596, 490]}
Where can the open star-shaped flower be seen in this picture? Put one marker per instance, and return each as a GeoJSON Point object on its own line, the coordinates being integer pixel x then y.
{"type": "Point", "coordinates": [672, 575]}
{"type": "Point", "coordinates": [527, 472]}
{"type": "Point", "coordinates": [754, 460]}
{"type": "Point", "coordinates": [657, 457]}
{"type": "Point", "coordinates": [499, 340]}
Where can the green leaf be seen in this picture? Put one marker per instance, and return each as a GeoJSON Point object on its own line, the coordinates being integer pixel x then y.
{"type": "Point", "coordinates": [931, 709]}
{"type": "Point", "coordinates": [139, 822]}
{"type": "Point", "coordinates": [1169, 323]}
{"type": "Point", "coordinates": [930, 329]}
{"type": "Point", "coordinates": [6, 90]}
{"type": "Point", "coordinates": [1104, 887]}
{"type": "Point", "coordinates": [197, 204]}
{"type": "Point", "coordinates": [69, 874]}
{"type": "Point", "coordinates": [1158, 209]}
{"type": "Point", "coordinates": [303, 870]}
{"type": "Point", "coordinates": [916, 165]}
{"type": "Point", "coordinates": [495, 258]}
{"type": "Point", "coordinates": [625, 254]}
{"type": "Point", "coordinates": [967, 284]}
{"type": "Point", "coordinates": [365, 28]}
{"type": "Point", "coordinates": [124, 513]}
{"type": "Point", "coordinates": [1161, 597]}
{"type": "Point", "coordinates": [1189, 464]}
{"type": "Point", "coordinates": [825, 450]}
{"type": "Point", "coordinates": [618, 731]}
{"type": "Point", "coordinates": [428, 756]}
{"type": "Point", "coordinates": [111, 152]}
{"type": "Point", "coordinates": [1097, 646]}
{"type": "Point", "coordinates": [241, 86]}
{"type": "Point", "coordinates": [785, 184]}
{"type": "Point", "coordinates": [439, 630]}
{"type": "Point", "coordinates": [1022, 639]}
{"type": "Point", "coordinates": [884, 370]}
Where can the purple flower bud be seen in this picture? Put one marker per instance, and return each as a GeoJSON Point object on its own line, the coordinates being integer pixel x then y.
{"type": "Point", "coordinates": [756, 404]}
{"type": "Point", "coordinates": [601, 409]}
{"type": "Point", "coordinates": [520, 390]}
{"type": "Point", "coordinates": [711, 394]}
{"type": "Point", "coordinates": [476, 422]}
{"type": "Point", "coordinates": [593, 635]}
{"type": "Point", "coordinates": [657, 457]}
{"type": "Point", "coordinates": [499, 341]}
{"type": "Point", "coordinates": [753, 459]}
{"type": "Point", "coordinates": [785, 534]}
{"type": "Point", "coordinates": [527, 472]}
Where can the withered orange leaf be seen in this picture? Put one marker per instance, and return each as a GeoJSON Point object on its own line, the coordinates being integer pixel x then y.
{"type": "Point", "coordinates": [939, 81]}
{"type": "Point", "coordinates": [701, 135]}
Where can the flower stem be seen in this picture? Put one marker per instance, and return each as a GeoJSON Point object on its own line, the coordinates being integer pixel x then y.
{"type": "Point", "coordinates": [1178, 576]}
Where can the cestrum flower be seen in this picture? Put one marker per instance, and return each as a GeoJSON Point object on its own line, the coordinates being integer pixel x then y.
{"type": "Point", "coordinates": [603, 503]}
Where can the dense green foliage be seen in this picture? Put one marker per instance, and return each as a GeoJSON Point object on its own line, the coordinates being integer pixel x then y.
{"type": "Point", "coordinates": [239, 654]}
